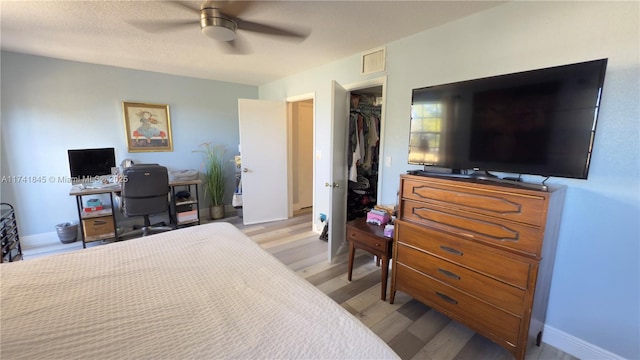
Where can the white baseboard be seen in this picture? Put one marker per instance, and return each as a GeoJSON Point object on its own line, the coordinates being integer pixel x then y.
{"type": "Point", "coordinates": [39, 240]}
{"type": "Point", "coordinates": [575, 346]}
{"type": "Point", "coordinates": [30, 242]}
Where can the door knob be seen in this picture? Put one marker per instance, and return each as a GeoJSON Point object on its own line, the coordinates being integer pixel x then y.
{"type": "Point", "coordinates": [245, 170]}
{"type": "Point", "coordinates": [333, 185]}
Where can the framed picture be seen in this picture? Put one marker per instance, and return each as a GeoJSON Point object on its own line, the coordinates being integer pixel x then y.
{"type": "Point", "coordinates": [147, 127]}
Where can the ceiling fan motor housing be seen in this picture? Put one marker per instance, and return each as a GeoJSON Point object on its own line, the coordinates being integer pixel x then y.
{"type": "Point", "coordinates": [217, 26]}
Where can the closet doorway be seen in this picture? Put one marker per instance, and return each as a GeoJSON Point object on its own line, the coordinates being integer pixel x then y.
{"type": "Point", "coordinates": [301, 155]}
{"type": "Point", "coordinates": [365, 120]}
{"type": "Point", "coordinates": [360, 195]}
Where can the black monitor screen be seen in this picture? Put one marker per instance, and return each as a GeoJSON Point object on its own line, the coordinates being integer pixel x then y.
{"type": "Point", "coordinates": [84, 163]}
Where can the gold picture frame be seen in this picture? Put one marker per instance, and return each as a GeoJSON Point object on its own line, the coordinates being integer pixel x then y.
{"type": "Point", "coordinates": [147, 127]}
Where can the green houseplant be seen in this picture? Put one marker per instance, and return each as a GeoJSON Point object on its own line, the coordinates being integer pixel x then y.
{"type": "Point", "coordinates": [214, 177]}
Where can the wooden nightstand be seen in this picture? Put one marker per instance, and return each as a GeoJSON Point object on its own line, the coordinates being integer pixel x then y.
{"type": "Point", "coordinates": [370, 237]}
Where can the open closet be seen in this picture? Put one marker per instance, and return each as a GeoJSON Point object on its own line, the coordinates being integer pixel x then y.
{"type": "Point", "coordinates": [364, 151]}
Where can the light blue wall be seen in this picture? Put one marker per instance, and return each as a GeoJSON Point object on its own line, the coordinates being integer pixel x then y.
{"type": "Point", "coordinates": [49, 106]}
{"type": "Point", "coordinates": [595, 295]}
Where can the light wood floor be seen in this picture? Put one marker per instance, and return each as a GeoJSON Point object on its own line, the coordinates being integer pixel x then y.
{"type": "Point", "coordinates": [412, 330]}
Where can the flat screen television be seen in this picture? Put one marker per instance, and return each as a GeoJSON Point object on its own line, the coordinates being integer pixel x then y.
{"type": "Point", "coordinates": [539, 122]}
{"type": "Point", "coordinates": [91, 163]}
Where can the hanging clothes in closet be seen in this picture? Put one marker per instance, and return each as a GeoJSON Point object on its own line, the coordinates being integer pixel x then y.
{"type": "Point", "coordinates": [364, 142]}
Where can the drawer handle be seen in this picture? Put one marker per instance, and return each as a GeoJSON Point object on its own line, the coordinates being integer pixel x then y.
{"type": "Point", "coordinates": [448, 299]}
{"type": "Point", "coordinates": [449, 274]}
{"type": "Point", "coordinates": [99, 222]}
{"type": "Point", "coordinates": [451, 250]}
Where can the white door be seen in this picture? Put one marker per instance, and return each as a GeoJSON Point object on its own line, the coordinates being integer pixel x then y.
{"type": "Point", "coordinates": [338, 181]}
{"type": "Point", "coordinates": [263, 146]}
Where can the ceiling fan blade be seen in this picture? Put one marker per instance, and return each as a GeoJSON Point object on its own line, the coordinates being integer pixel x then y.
{"type": "Point", "coordinates": [271, 30]}
{"type": "Point", "coordinates": [191, 6]}
{"type": "Point", "coordinates": [236, 46]}
{"type": "Point", "coordinates": [157, 26]}
{"type": "Point", "coordinates": [233, 8]}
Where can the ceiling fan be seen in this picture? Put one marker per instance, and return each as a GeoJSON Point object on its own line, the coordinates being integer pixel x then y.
{"type": "Point", "coordinates": [220, 20]}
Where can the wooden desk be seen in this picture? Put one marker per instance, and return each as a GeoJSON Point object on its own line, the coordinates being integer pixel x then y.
{"type": "Point", "coordinates": [370, 237]}
{"type": "Point", "coordinates": [101, 224]}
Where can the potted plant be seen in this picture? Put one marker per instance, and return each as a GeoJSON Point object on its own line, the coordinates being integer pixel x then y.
{"type": "Point", "coordinates": [215, 180]}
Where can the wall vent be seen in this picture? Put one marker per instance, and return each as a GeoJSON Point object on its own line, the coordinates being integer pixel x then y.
{"type": "Point", "coordinates": [373, 61]}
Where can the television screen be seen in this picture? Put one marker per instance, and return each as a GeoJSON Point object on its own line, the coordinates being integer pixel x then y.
{"type": "Point", "coordinates": [88, 163]}
{"type": "Point", "coordinates": [539, 122]}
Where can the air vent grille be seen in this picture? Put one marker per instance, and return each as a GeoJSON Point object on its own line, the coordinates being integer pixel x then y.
{"type": "Point", "coordinates": [373, 61]}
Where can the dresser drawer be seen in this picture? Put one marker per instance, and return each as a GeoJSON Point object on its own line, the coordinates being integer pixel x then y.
{"type": "Point", "coordinates": [487, 200]}
{"type": "Point", "coordinates": [467, 253]}
{"type": "Point", "coordinates": [486, 319]}
{"type": "Point", "coordinates": [511, 235]}
{"type": "Point", "coordinates": [486, 288]}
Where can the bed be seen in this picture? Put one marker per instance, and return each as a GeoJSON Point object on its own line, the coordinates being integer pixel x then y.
{"type": "Point", "coordinates": [202, 292]}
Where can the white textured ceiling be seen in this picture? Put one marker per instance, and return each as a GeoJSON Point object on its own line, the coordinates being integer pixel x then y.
{"type": "Point", "coordinates": [101, 32]}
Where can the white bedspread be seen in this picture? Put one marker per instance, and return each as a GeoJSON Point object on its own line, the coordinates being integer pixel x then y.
{"type": "Point", "coordinates": [204, 292]}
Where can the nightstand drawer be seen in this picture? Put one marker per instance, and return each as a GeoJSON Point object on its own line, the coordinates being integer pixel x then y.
{"type": "Point", "coordinates": [369, 242]}
{"type": "Point", "coordinates": [370, 237]}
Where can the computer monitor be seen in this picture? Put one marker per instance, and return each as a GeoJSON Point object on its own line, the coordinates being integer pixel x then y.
{"type": "Point", "coordinates": [90, 164]}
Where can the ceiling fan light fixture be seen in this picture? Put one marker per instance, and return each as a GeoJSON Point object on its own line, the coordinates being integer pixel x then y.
{"type": "Point", "coordinates": [216, 26]}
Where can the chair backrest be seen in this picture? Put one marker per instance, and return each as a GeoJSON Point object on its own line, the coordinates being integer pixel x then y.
{"type": "Point", "coordinates": [145, 190]}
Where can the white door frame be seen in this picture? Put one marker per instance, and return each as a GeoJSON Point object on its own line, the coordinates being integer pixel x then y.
{"type": "Point", "coordinates": [380, 81]}
{"type": "Point", "coordinates": [289, 100]}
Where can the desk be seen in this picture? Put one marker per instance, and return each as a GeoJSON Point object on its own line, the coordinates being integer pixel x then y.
{"type": "Point", "coordinates": [370, 237]}
{"type": "Point", "coordinates": [101, 224]}
{"type": "Point", "coordinates": [98, 224]}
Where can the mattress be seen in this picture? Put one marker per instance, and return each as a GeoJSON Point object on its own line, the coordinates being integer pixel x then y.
{"type": "Point", "coordinates": [202, 292]}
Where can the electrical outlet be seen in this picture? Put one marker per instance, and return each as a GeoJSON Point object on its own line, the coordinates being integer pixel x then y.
{"type": "Point", "coordinates": [387, 161]}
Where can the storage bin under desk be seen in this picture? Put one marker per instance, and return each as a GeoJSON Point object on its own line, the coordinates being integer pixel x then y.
{"type": "Point", "coordinates": [98, 228]}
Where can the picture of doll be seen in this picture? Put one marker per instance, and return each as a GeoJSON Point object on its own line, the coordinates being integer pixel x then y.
{"type": "Point", "coordinates": [148, 127]}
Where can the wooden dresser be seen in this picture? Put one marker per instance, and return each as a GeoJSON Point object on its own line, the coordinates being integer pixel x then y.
{"type": "Point", "coordinates": [479, 252]}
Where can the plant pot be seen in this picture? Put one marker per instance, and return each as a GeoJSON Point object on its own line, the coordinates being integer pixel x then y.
{"type": "Point", "coordinates": [216, 212]}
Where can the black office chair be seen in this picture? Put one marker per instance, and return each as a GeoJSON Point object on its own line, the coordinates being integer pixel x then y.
{"type": "Point", "coordinates": [145, 191]}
